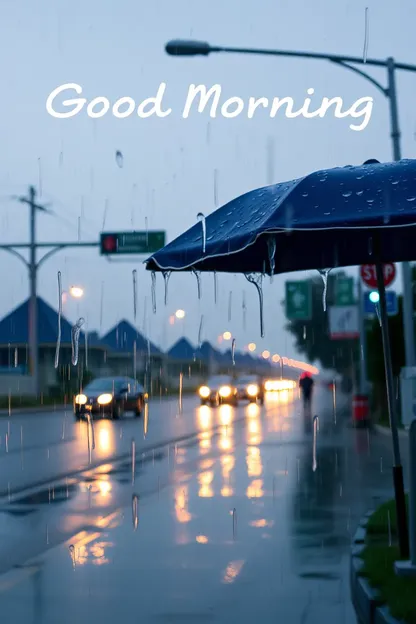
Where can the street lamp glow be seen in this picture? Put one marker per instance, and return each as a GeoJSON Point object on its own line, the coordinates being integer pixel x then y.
{"type": "Point", "coordinates": [252, 346]}
{"type": "Point", "coordinates": [374, 297]}
{"type": "Point", "coordinates": [227, 335]}
{"type": "Point", "coordinates": [266, 354]}
{"type": "Point", "coordinates": [76, 291]}
{"type": "Point", "coordinates": [180, 314]}
{"type": "Point", "coordinates": [276, 358]}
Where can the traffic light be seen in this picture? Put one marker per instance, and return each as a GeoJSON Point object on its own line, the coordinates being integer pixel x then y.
{"type": "Point", "coordinates": [108, 244]}
{"type": "Point", "coordinates": [374, 296]}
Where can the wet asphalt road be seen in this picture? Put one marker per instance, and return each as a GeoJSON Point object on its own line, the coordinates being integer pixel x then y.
{"type": "Point", "coordinates": [220, 517]}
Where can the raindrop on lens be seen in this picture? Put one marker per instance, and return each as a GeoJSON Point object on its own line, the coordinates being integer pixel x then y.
{"type": "Point", "coordinates": [119, 159]}
{"type": "Point", "coordinates": [154, 292]}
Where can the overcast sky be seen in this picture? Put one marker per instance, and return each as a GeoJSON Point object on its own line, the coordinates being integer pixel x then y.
{"type": "Point", "coordinates": [116, 49]}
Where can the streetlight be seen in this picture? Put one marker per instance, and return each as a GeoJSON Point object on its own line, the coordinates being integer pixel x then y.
{"type": "Point", "coordinates": [276, 358]}
{"type": "Point", "coordinates": [180, 314]}
{"type": "Point", "coordinates": [266, 354]}
{"type": "Point", "coordinates": [252, 346]}
{"type": "Point", "coordinates": [76, 291]}
{"type": "Point", "coordinates": [227, 335]}
{"type": "Point", "coordinates": [192, 48]}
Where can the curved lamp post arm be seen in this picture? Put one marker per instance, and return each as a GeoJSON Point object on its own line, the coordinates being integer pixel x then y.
{"type": "Point", "coordinates": [377, 84]}
{"type": "Point", "coordinates": [15, 253]}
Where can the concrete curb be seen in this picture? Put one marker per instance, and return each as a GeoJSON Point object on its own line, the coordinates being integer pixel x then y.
{"type": "Point", "coordinates": [368, 605]}
{"type": "Point", "coordinates": [403, 433]}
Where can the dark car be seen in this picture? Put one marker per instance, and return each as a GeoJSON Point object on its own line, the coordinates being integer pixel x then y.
{"type": "Point", "coordinates": [110, 397]}
{"type": "Point", "coordinates": [250, 388]}
{"type": "Point", "coordinates": [217, 390]}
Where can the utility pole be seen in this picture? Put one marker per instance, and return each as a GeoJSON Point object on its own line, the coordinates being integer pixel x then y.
{"type": "Point", "coordinates": [33, 265]}
{"type": "Point", "coordinates": [33, 303]}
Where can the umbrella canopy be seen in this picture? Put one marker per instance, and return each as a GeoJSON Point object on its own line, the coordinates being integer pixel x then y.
{"type": "Point", "coordinates": [269, 230]}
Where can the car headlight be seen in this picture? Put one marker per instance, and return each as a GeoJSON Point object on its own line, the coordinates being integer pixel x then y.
{"type": "Point", "coordinates": [268, 385]}
{"type": "Point", "coordinates": [225, 391]}
{"type": "Point", "coordinates": [204, 392]}
{"type": "Point", "coordinates": [81, 399]}
{"type": "Point", "coordinates": [104, 399]}
{"type": "Point", "coordinates": [252, 390]}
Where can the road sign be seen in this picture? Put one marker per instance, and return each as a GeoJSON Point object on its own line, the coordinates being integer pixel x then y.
{"type": "Point", "coordinates": [370, 308]}
{"type": "Point", "coordinates": [299, 300]}
{"type": "Point", "coordinates": [131, 242]}
{"type": "Point", "coordinates": [369, 277]}
{"type": "Point", "coordinates": [343, 322]}
{"type": "Point", "coordinates": [344, 291]}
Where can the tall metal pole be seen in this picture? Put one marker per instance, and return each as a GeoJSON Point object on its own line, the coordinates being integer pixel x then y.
{"type": "Point", "coordinates": [409, 334]}
{"type": "Point", "coordinates": [363, 341]}
{"type": "Point", "coordinates": [33, 304]}
{"type": "Point", "coordinates": [397, 467]}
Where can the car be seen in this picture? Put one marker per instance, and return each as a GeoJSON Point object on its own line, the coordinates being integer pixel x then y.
{"type": "Point", "coordinates": [250, 388]}
{"type": "Point", "coordinates": [110, 397]}
{"type": "Point", "coordinates": [217, 390]}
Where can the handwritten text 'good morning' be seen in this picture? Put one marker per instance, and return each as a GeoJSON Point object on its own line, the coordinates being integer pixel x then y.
{"type": "Point", "coordinates": [202, 97]}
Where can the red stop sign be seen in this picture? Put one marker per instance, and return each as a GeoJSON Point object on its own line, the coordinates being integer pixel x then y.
{"type": "Point", "coordinates": [369, 276]}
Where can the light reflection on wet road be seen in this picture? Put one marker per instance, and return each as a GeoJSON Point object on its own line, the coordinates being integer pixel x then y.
{"type": "Point", "coordinates": [229, 526]}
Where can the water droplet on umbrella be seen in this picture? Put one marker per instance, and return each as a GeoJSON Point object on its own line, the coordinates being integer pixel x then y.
{"type": "Point", "coordinates": [119, 159]}
{"type": "Point", "coordinates": [347, 194]}
{"type": "Point", "coordinates": [324, 274]}
{"type": "Point", "coordinates": [166, 276]}
{"type": "Point", "coordinates": [200, 216]}
{"type": "Point", "coordinates": [411, 199]}
{"type": "Point", "coordinates": [366, 35]}
{"type": "Point", "coordinates": [153, 288]}
{"type": "Point", "coordinates": [75, 332]}
{"type": "Point", "coordinates": [198, 281]}
{"type": "Point", "coordinates": [134, 274]}
{"type": "Point", "coordinates": [201, 323]}
{"type": "Point", "coordinates": [230, 300]}
{"type": "Point", "coordinates": [257, 280]}
{"type": "Point", "coordinates": [271, 244]}
{"type": "Point", "coordinates": [58, 340]}
{"type": "Point", "coordinates": [233, 351]}
{"type": "Point", "coordinates": [61, 159]}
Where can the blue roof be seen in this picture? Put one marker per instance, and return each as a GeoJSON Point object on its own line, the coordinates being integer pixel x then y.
{"type": "Point", "coordinates": [14, 328]}
{"type": "Point", "coordinates": [122, 338]}
{"type": "Point", "coordinates": [182, 350]}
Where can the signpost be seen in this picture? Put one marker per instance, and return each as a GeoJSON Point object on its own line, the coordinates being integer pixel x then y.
{"type": "Point", "coordinates": [299, 300]}
{"type": "Point", "coordinates": [131, 242]}
{"type": "Point", "coordinates": [370, 308]}
{"type": "Point", "coordinates": [344, 322]}
{"type": "Point", "coordinates": [344, 291]}
{"type": "Point", "coordinates": [369, 277]}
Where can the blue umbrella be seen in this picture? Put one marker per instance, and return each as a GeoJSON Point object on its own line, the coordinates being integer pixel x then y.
{"type": "Point", "coordinates": [331, 218]}
{"type": "Point", "coordinates": [346, 208]}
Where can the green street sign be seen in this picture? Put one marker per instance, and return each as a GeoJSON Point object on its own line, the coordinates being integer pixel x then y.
{"type": "Point", "coordinates": [131, 242]}
{"type": "Point", "coordinates": [299, 300]}
{"type": "Point", "coordinates": [344, 291]}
